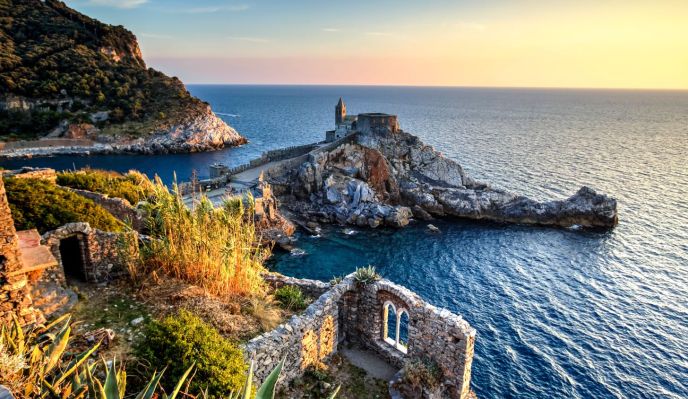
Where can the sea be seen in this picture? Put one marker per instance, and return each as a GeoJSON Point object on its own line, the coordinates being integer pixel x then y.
{"type": "Point", "coordinates": [559, 313]}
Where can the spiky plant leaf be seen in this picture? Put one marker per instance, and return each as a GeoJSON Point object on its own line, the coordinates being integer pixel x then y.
{"type": "Point", "coordinates": [267, 389]}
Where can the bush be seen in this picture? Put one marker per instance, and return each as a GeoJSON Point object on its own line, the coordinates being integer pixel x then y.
{"type": "Point", "coordinates": [177, 342]}
{"type": "Point", "coordinates": [44, 206]}
{"type": "Point", "coordinates": [291, 297]}
{"type": "Point", "coordinates": [422, 374]}
{"type": "Point", "coordinates": [215, 248]}
{"type": "Point", "coordinates": [133, 186]}
{"type": "Point", "coordinates": [366, 275]}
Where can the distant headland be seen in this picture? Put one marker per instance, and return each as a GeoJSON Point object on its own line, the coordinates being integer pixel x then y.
{"type": "Point", "coordinates": [73, 85]}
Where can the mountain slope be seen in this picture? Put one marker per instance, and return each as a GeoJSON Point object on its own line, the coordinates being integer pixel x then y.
{"type": "Point", "coordinates": [68, 76]}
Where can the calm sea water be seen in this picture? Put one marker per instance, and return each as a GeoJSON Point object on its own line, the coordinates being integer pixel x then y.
{"type": "Point", "coordinates": [559, 313]}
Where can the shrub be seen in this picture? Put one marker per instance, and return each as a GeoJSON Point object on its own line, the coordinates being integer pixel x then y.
{"type": "Point", "coordinates": [44, 206]}
{"type": "Point", "coordinates": [366, 275]}
{"type": "Point", "coordinates": [422, 374]}
{"type": "Point", "coordinates": [42, 356]}
{"type": "Point", "coordinates": [133, 186]}
{"type": "Point", "coordinates": [291, 297]}
{"type": "Point", "coordinates": [180, 341]}
{"type": "Point", "coordinates": [215, 248]}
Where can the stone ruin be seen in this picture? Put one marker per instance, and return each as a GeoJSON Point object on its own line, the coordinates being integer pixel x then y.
{"type": "Point", "coordinates": [34, 268]}
{"type": "Point", "coordinates": [382, 317]}
{"type": "Point", "coordinates": [17, 261]}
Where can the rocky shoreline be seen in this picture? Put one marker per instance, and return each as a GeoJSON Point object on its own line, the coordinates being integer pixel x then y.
{"type": "Point", "coordinates": [202, 132]}
{"type": "Point", "coordinates": [385, 178]}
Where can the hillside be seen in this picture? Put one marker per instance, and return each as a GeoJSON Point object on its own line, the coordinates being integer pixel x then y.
{"type": "Point", "coordinates": [67, 76]}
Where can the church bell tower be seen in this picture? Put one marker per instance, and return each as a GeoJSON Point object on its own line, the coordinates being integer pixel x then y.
{"type": "Point", "coordinates": [339, 112]}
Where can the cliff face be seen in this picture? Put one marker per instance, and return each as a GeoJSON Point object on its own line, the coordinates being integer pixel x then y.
{"type": "Point", "coordinates": [383, 178]}
{"type": "Point", "coordinates": [66, 76]}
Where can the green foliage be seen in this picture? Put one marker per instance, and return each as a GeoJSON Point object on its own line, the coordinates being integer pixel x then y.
{"type": "Point", "coordinates": [366, 275]}
{"type": "Point", "coordinates": [45, 206]}
{"type": "Point", "coordinates": [133, 186]}
{"type": "Point", "coordinates": [179, 341]}
{"type": "Point", "coordinates": [336, 280]}
{"type": "Point", "coordinates": [291, 297]}
{"type": "Point", "coordinates": [41, 363]}
{"type": "Point", "coordinates": [50, 52]}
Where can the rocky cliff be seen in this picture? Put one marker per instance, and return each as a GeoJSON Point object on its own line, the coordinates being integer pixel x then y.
{"type": "Point", "coordinates": [71, 84]}
{"type": "Point", "coordinates": [385, 178]}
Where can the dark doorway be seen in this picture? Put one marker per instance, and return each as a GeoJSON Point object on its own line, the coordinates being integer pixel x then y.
{"type": "Point", "coordinates": [72, 258]}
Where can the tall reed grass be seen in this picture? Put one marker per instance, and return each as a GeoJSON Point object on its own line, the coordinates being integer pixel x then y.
{"type": "Point", "coordinates": [215, 248]}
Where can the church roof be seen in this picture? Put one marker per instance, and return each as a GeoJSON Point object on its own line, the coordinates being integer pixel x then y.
{"type": "Point", "coordinates": [341, 102]}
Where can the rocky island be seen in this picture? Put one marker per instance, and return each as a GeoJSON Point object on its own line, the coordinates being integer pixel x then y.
{"type": "Point", "coordinates": [369, 172]}
{"type": "Point", "coordinates": [70, 84]}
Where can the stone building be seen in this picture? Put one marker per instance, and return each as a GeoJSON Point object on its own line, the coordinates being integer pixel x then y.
{"type": "Point", "coordinates": [384, 318]}
{"type": "Point", "coordinates": [19, 258]}
{"type": "Point", "coordinates": [347, 124]}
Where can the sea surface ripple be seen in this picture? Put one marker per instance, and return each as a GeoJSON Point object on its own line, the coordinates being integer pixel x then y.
{"type": "Point", "coordinates": [559, 313]}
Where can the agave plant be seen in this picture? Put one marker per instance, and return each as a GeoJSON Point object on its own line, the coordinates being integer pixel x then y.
{"type": "Point", "coordinates": [32, 365]}
{"type": "Point", "coordinates": [366, 275]}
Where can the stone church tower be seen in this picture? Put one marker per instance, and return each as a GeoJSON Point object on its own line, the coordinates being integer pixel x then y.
{"type": "Point", "coordinates": [339, 112]}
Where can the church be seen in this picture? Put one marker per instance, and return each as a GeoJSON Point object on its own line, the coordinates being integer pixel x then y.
{"type": "Point", "coordinates": [347, 124]}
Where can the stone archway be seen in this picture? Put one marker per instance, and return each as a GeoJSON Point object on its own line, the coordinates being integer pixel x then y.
{"type": "Point", "coordinates": [72, 256]}
{"type": "Point", "coordinates": [70, 246]}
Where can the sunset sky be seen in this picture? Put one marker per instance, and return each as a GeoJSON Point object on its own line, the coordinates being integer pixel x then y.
{"type": "Point", "coordinates": [524, 43]}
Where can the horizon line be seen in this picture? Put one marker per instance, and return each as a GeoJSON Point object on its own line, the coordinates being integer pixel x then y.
{"type": "Point", "coordinates": [438, 86]}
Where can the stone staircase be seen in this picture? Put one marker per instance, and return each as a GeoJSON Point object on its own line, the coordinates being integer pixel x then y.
{"type": "Point", "coordinates": [52, 298]}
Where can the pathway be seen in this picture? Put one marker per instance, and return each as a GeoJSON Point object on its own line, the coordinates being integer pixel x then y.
{"type": "Point", "coordinates": [375, 366]}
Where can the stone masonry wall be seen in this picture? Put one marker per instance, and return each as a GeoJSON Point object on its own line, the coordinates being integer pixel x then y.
{"type": "Point", "coordinates": [118, 207]}
{"type": "Point", "coordinates": [105, 255]}
{"type": "Point", "coordinates": [355, 312]}
{"type": "Point", "coordinates": [15, 298]}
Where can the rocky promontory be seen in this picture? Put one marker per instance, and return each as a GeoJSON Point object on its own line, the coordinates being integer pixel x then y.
{"type": "Point", "coordinates": [380, 177]}
{"type": "Point", "coordinates": [70, 84]}
{"type": "Point", "coordinates": [199, 131]}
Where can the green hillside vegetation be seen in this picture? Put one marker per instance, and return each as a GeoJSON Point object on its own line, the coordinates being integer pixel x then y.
{"type": "Point", "coordinates": [132, 186]}
{"type": "Point", "coordinates": [44, 206]}
{"type": "Point", "coordinates": [50, 52]}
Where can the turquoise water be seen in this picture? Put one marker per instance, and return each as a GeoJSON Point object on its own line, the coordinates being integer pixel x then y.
{"type": "Point", "coordinates": [559, 313]}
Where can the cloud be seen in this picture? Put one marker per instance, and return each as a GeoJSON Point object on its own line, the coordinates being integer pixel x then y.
{"type": "Point", "coordinates": [211, 9]}
{"type": "Point", "coordinates": [249, 39]}
{"type": "Point", "coordinates": [154, 36]}
{"type": "Point", "coordinates": [331, 30]}
{"type": "Point", "coordinates": [118, 3]}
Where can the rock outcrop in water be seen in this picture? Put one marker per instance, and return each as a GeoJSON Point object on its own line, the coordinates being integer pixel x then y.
{"type": "Point", "coordinates": [384, 178]}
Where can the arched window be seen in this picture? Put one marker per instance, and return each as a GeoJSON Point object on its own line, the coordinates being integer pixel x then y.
{"type": "Point", "coordinates": [395, 326]}
{"type": "Point", "coordinates": [390, 324]}
{"type": "Point", "coordinates": [403, 332]}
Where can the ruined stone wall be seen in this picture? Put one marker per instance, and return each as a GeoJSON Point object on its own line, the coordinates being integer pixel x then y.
{"type": "Point", "coordinates": [356, 313]}
{"type": "Point", "coordinates": [28, 172]}
{"type": "Point", "coordinates": [305, 340]}
{"type": "Point", "coordinates": [15, 298]}
{"type": "Point", "coordinates": [312, 288]}
{"type": "Point", "coordinates": [105, 255]}
{"type": "Point", "coordinates": [118, 207]}
{"type": "Point", "coordinates": [433, 334]}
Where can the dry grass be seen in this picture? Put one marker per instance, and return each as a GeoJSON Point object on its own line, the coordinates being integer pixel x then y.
{"type": "Point", "coordinates": [265, 311]}
{"type": "Point", "coordinates": [214, 248]}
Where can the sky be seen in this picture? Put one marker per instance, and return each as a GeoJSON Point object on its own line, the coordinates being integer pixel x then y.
{"type": "Point", "coordinates": [492, 43]}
